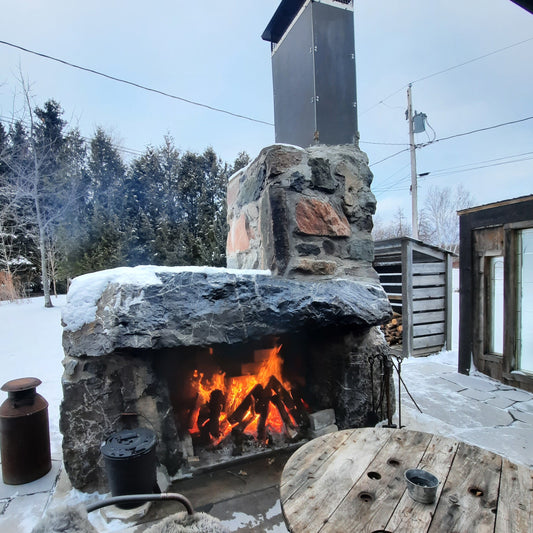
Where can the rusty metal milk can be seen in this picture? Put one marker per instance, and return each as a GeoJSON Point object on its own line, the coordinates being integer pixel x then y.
{"type": "Point", "coordinates": [24, 433]}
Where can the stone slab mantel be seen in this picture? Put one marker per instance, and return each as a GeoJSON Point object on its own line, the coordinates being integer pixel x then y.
{"type": "Point", "coordinates": [175, 307]}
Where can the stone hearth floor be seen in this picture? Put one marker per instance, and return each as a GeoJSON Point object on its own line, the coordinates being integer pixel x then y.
{"type": "Point", "coordinates": [472, 408]}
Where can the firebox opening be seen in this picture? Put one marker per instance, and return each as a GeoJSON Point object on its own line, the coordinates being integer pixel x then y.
{"type": "Point", "coordinates": [234, 400]}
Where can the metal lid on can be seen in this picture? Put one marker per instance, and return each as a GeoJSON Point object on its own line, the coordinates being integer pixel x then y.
{"type": "Point", "coordinates": [21, 384]}
{"type": "Point", "coordinates": [129, 443]}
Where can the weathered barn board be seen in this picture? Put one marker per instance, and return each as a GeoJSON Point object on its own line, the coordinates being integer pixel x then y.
{"type": "Point", "coordinates": [417, 278]}
{"type": "Point", "coordinates": [494, 291]}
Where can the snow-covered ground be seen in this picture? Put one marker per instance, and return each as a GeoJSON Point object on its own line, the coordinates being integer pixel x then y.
{"type": "Point", "coordinates": [30, 346]}
{"type": "Point", "coordinates": [474, 409]}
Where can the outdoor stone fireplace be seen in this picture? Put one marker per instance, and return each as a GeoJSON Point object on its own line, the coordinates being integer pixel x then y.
{"type": "Point", "coordinates": [226, 363]}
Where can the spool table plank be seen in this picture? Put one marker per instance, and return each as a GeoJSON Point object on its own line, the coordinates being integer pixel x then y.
{"type": "Point", "coordinates": [353, 481]}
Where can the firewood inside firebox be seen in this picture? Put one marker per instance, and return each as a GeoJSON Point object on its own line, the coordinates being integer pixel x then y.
{"type": "Point", "coordinates": [258, 407]}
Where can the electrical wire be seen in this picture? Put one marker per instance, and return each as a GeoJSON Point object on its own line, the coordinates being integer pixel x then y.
{"type": "Point", "coordinates": [423, 78]}
{"type": "Point", "coordinates": [130, 151]}
{"type": "Point", "coordinates": [133, 84]}
{"type": "Point", "coordinates": [456, 167]}
{"type": "Point", "coordinates": [389, 157]}
{"type": "Point", "coordinates": [384, 144]}
{"type": "Point", "coordinates": [443, 71]}
{"type": "Point", "coordinates": [422, 145]}
{"type": "Point", "coordinates": [393, 187]}
{"type": "Point", "coordinates": [434, 176]}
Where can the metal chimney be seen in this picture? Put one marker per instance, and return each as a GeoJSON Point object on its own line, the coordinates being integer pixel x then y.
{"type": "Point", "coordinates": [313, 70]}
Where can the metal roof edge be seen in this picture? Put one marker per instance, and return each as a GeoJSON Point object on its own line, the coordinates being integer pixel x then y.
{"type": "Point", "coordinates": [492, 205]}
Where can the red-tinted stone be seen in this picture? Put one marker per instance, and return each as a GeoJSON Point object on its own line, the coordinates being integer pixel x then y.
{"type": "Point", "coordinates": [239, 235]}
{"type": "Point", "coordinates": [315, 217]}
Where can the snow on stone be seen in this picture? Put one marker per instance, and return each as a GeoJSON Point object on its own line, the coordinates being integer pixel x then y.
{"type": "Point", "coordinates": [85, 291]}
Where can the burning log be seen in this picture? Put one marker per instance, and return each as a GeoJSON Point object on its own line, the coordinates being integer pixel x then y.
{"type": "Point", "coordinates": [203, 426]}
{"type": "Point", "coordinates": [301, 415]}
{"type": "Point", "coordinates": [248, 403]}
{"type": "Point", "coordinates": [216, 404]}
{"type": "Point", "coordinates": [262, 405]}
{"type": "Point", "coordinates": [294, 406]}
{"type": "Point", "coordinates": [289, 426]}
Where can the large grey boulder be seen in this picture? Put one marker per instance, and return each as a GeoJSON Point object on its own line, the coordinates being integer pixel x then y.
{"type": "Point", "coordinates": [201, 307]}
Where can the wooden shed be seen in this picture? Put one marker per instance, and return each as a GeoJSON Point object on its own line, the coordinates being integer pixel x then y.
{"type": "Point", "coordinates": [417, 278]}
{"type": "Point", "coordinates": [496, 299]}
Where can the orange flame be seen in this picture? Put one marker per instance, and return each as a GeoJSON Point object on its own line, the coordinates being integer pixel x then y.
{"type": "Point", "coordinates": [236, 389]}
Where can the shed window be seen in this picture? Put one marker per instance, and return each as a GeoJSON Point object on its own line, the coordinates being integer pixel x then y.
{"type": "Point", "coordinates": [525, 299]}
{"type": "Point", "coordinates": [496, 305]}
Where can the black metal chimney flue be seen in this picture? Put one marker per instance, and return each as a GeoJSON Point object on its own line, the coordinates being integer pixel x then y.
{"type": "Point", "coordinates": [313, 70]}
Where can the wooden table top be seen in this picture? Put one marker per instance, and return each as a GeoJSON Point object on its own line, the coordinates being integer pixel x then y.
{"type": "Point", "coordinates": [353, 480]}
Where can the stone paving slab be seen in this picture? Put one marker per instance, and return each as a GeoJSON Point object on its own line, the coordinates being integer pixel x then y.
{"type": "Point", "coordinates": [257, 512]}
{"type": "Point", "coordinates": [517, 395]}
{"type": "Point", "coordinates": [471, 382]}
{"type": "Point", "coordinates": [44, 484]}
{"type": "Point", "coordinates": [23, 513]}
{"type": "Point", "coordinates": [475, 394]}
{"type": "Point", "coordinates": [526, 407]}
{"type": "Point", "coordinates": [500, 402]}
{"type": "Point", "coordinates": [522, 416]}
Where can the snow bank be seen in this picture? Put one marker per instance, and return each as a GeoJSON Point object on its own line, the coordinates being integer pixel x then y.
{"type": "Point", "coordinates": [85, 291]}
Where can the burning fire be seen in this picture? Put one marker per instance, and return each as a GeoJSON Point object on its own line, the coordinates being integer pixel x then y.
{"type": "Point", "coordinates": [251, 402]}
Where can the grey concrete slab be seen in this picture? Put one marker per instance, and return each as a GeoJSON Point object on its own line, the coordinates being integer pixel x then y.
{"type": "Point", "coordinates": [475, 394]}
{"type": "Point", "coordinates": [515, 443]}
{"type": "Point", "coordinates": [500, 401]}
{"type": "Point", "coordinates": [472, 382]}
{"type": "Point", "coordinates": [44, 484]}
{"type": "Point", "coordinates": [428, 368]}
{"type": "Point", "coordinates": [527, 407]}
{"type": "Point", "coordinates": [517, 395]}
{"type": "Point", "coordinates": [522, 416]}
{"type": "Point", "coordinates": [257, 512]}
{"type": "Point", "coordinates": [23, 513]}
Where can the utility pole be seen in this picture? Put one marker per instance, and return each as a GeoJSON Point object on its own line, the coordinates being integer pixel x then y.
{"type": "Point", "coordinates": [414, 187]}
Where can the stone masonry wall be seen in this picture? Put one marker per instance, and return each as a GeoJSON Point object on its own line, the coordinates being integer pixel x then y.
{"type": "Point", "coordinates": [303, 212]}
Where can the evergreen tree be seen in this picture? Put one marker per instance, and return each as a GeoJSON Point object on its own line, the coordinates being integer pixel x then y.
{"type": "Point", "coordinates": [98, 238]}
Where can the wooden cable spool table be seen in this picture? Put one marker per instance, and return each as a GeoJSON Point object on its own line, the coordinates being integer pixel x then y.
{"type": "Point", "coordinates": [353, 481]}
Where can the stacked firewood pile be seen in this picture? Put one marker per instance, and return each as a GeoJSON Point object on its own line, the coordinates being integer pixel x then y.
{"type": "Point", "coordinates": [393, 330]}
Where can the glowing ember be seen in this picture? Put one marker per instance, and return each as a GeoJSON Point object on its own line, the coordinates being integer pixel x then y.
{"type": "Point", "coordinates": [255, 404]}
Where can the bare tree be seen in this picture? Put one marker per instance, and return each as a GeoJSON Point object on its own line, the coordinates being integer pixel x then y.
{"type": "Point", "coordinates": [438, 218]}
{"type": "Point", "coordinates": [39, 190]}
{"type": "Point", "coordinates": [398, 227]}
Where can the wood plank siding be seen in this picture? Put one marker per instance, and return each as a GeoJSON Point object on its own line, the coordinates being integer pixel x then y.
{"type": "Point", "coordinates": [417, 279]}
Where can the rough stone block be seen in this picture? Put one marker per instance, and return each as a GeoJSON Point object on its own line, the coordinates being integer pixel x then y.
{"type": "Point", "coordinates": [315, 267]}
{"type": "Point", "coordinates": [239, 235]}
{"type": "Point", "coordinates": [315, 217]}
{"type": "Point", "coordinates": [321, 177]}
{"type": "Point", "coordinates": [323, 431]}
{"type": "Point", "coordinates": [321, 419]}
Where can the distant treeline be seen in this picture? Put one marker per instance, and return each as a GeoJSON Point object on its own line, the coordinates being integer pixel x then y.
{"type": "Point", "coordinates": [70, 206]}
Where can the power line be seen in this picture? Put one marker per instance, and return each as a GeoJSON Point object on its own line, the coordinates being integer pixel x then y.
{"type": "Point", "coordinates": [423, 78]}
{"type": "Point", "coordinates": [133, 84]}
{"type": "Point", "coordinates": [472, 60]}
{"type": "Point", "coordinates": [422, 145]}
{"type": "Point", "coordinates": [384, 144]}
{"type": "Point", "coordinates": [382, 189]}
{"type": "Point", "coordinates": [131, 151]}
{"type": "Point", "coordinates": [456, 167]}
{"type": "Point", "coordinates": [389, 157]}
{"type": "Point", "coordinates": [478, 168]}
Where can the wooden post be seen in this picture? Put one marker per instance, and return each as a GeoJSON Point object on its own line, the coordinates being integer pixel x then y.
{"type": "Point", "coordinates": [407, 297]}
{"type": "Point", "coordinates": [449, 300]}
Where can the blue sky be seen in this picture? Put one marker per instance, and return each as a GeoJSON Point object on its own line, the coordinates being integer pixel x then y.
{"type": "Point", "coordinates": [212, 52]}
